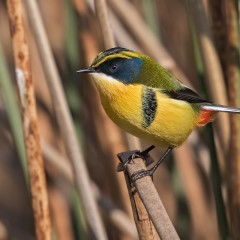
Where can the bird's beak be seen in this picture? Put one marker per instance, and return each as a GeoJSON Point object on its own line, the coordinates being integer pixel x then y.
{"type": "Point", "coordinates": [87, 70]}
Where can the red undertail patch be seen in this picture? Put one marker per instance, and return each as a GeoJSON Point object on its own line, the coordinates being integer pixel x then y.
{"type": "Point", "coordinates": [205, 117]}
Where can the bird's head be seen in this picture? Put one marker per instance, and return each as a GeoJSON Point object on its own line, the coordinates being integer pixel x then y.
{"type": "Point", "coordinates": [116, 64]}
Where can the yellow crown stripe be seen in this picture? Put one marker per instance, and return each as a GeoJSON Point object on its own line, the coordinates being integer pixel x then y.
{"type": "Point", "coordinates": [124, 54]}
{"type": "Point", "coordinates": [98, 63]}
{"type": "Point", "coordinates": [132, 54]}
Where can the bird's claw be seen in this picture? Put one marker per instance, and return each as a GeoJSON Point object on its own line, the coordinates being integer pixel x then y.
{"type": "Point", "coordinates": [129, 161]}
{"type": "Point", "coordinates": [143, 155]}
{"type": "Point", "coordinates": [125, 158]}
{"type": "Point", "coordinates": [133, 156]}
{"type": "Point", "coordinates": [140, 174]}
{"type": "Point", "coordinates": [136, 154]}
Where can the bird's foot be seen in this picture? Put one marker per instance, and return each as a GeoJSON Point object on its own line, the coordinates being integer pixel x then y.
{"type": "Point", "coordinates": [144, 155]}
{"type": "Point", "coordinates": [127, 157]}
{"type": "Point", "coordinates": [140, 174]}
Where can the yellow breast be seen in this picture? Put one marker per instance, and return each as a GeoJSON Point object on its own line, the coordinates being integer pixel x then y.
{"type": "Point", "coordinates": [173, 120]}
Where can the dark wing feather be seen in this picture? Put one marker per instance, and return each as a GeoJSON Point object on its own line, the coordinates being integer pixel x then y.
{"type": "Point", "coordinates": [186, 94]}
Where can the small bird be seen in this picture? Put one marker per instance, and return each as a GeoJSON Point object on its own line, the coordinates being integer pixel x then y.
{"type": "Point", "coordinates": [146, 100]}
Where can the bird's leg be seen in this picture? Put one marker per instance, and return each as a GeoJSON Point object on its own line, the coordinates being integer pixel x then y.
{"type": "Point", "coordinates": [145, 153]}
{"type": "Point", "coordinates": [143, 173]}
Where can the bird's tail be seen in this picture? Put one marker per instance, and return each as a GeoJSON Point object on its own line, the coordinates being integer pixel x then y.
{"type": "Point", "coordinates": [208, 112]}
{"type": "Point", "coordinates": [220, 108]}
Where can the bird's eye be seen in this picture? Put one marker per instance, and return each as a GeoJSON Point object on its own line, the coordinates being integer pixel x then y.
{"type": "Point", "coordinates": [113, 68]}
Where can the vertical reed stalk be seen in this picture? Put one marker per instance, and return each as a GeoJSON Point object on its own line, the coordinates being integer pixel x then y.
{"type": "Point", "coordinates": [65, 123]}
{"type": "Point", "coordinates": [29, 118]}
{"type": "Point", "coordinates": [101, 10]}
{"type": "Point", "coordinates": [232, 75]}
{"type": "Point", "coordinates": [215, 80]}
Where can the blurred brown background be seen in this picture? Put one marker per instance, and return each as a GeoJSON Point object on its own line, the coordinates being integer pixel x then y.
{"type": "Point", "coordinates": [199, 184]}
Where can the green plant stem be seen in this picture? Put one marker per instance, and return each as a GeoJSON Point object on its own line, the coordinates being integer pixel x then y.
{"type": "Point", "coordinates": [216, 183]}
